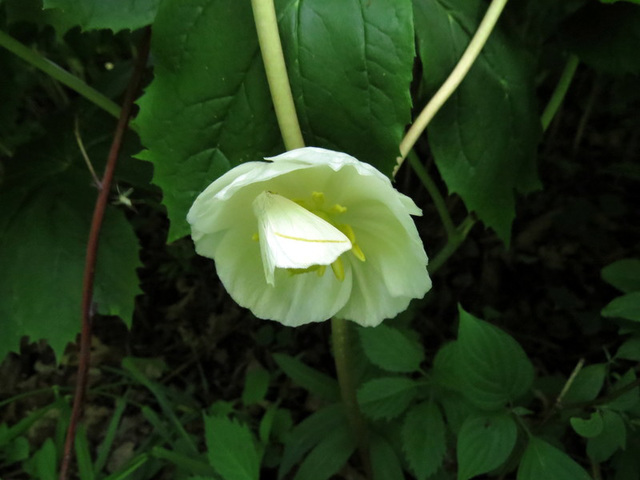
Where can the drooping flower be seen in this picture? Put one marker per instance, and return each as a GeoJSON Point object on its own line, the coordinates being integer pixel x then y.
{"type": "Point", "coordinates": [312, 234]}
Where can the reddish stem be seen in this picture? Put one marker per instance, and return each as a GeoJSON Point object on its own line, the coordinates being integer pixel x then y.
{"type": "Point", "coordinates": [92, 251]}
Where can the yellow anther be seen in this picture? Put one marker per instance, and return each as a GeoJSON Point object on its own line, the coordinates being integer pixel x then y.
{"type": "Point", "coordinates": [318, 198]}
{"type": "Point", "coordinates": [348, 231]}
{"type": "Point", "coordinates": [255, 237]}
{"type": "Point", "coordinates": [321, 270]}
{"type": "Point", "coordinates": [338, 269]}
{"type": "Point", "coordinates": [357, 252]}
{"type": "Point", "coordinates": [337, 208]}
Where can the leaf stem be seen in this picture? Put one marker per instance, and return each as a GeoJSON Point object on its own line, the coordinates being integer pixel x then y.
{"type": "Point", "coordinates": [452, 244]}
{"type": "Point", "coordinates": [559, 92]}
{"type": "Point", "coordinates": [92, 253]}
{"type": "Point", "coordinates": [344, 369]}
{"type": "Point", "coordinates": [453, 81]}
{"type": "Point", "coordinates": [55, 71]}
{"type": "Point", "coordinates": [435, 194]}
{"type": "Point", "coordinates": [264, 14]}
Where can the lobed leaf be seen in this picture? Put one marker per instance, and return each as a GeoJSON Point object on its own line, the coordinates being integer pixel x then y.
{"type": "Point", "coordinates": [484, 139]}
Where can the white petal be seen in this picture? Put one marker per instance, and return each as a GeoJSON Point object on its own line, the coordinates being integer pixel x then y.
{"type": "Point", "coordinates": [294, 300]}
{"type": "Point", "coordinates": [293, 237]}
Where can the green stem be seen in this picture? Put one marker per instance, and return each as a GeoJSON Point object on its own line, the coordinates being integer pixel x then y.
{"type": "Point", "coordinates": [560, 91]}
{"type": "Point", "coordinates": [437, 198]}
{"type": "Point", "coordinates": [264, 14]}
{"type": "Point", "coordinates": [455, 78]}
{"type": "Point", "coordinates": [64, 77]}
{"type": "Point", "coordinates": [452, 244]}
{"type": "Point", "coordinates": [344, 370]}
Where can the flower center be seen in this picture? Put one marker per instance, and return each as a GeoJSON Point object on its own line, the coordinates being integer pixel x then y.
{"type": "Point", "coordinates": [329, 213]}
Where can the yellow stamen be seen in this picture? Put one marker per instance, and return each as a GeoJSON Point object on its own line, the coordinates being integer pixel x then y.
{"type": "Point", "coordinates": [321, 270]}
{"type": "Point", "coordinates": [318, 198]}
{"type": "Point", "coordinates": [357, 252]}
{"type": "Point", "coordinates": [255, 237]}
{"type": "Point", "coordinates": [337, 208]}
{"type": "Point", "coordinates": [338, 269]}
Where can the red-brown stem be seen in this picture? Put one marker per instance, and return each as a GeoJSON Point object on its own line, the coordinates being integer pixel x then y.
{"type": "Point", "coordinates": [92, 252]}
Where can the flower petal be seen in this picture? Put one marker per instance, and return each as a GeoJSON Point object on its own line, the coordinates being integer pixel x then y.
{"type": "Point", "coordinates": [293, 300]}
{"type": "Point", "coordinates": [293, 237]}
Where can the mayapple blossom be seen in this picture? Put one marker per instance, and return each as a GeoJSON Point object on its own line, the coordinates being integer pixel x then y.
{"type": "Point", "coordinates": [312, 234]}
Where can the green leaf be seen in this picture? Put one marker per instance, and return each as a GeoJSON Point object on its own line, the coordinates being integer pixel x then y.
{"type": "Point", "coordinates": [627, 306]}
{"type": "Point", "coordinates": [231, 449]}
{"type": "Point", "coordinates": [630, 349]}
{"type": "Point", "coordinates": [630, 398]}
{"type": "Point", "coordinates": [384, 460]}
{"type": "Point", "coordinates": [255, 386]}
{"type": "Point", "coordinates": [623, 274]}
{"type": "Point", "coordinates": [606, 37]}
{"type": "Point", "coordinates": [208, 107]}
{"type": "Point", "coordinates": [386, 397]}
{"type": "Point", "coordinates": [310, 433]}
{"type": "Point", "coordinates": [541, 460]}
{"type": "Point", "coordinates": [328, 456]}
{"type": "Point", "coordinates": [588, 427]}
{"type": "Point", "coordinates": [485, 137]}
{"type": "Point", "coordinates": [43, 464]}
{"type": "Point", "coordinates": [586, 385]}
{"type": "Point", "coordinates": [423, 439]}
{"type": "Point", "coordinates": [390, 349]}
{"type": "Point", "coordinates": [493, 367]}
{"type": "Point", "coordinates": [351, 65]}
{"type": "Point", "coordinates": [114, 14]}
{"type": "Point", "coordinates": [308, 378]}
{"type": "Point", "coordinates": [612, 437]}
{"type": "Point", "coordinates": [46, 206]}
{"type": "Point", "coordinates": [484, 443]}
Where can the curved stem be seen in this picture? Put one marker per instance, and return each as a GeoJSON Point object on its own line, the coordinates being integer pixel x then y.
{"type": "Point", "coordinates": [92, 255]}
{"type": "Point", "coordinates": [437, 198]}
{"type": "Point", "coordinates": [455, 78]}
{"type": "Point", "coordinates": [54, 71]}
{"type": "Point", "coordinates": [560, 91]}
{"type": "Point", "coordinates": [452, 244]}
{"type": "Point", "coordinates": [264, 14]}
{"type": "Point", "coordinates": [344, 370]}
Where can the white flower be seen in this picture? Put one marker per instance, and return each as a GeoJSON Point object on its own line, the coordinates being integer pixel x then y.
{"type": "Point", "coordinates": [274, 227]}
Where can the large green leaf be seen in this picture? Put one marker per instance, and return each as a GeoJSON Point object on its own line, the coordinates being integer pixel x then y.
{"type": "Point", "coordinates": [493, 368]}
{"type": "Point", "coordinates": [208, 107]}
{"type": "Point", "coordinates": [114, 14]}
{"type": "Point", "coordinates": [326, 458]}
{"type": "Point", "coordinates": [484, 138]}
{"type": "Point", "coordinates": [623, 274]}
{"type": "Point", "coordinates": [350, 63]}
{"type": "Point", "coordinates": [386, 397]}
{"type": "Point", "coordinates": [46, 204]}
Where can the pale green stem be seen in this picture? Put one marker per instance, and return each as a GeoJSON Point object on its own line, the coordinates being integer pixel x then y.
{"type": "Point", "coordinates": [560, 91]}
{"type": "Point", "coordinates": [452, 244]}
{"type": "Point", "coordinates": [438, 200]}
{"type": "Point", "coordinates": [344, 368]}
{"type": "Point", "coordinates": [264, 14]}
{"type": "Point", "coordinates": [451, 83]}
{"type": "Point", "coordinates": [64, 77]}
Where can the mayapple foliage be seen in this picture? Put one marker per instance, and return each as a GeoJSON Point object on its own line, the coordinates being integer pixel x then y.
{"type": "Point", "coordinates": [312, 234]}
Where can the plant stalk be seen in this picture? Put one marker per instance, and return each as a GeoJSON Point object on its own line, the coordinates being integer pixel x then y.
{"type": "Point", "coordinates": [453, 81]}
{"type": "Point", "coordinates": [264, 14]}
{"type": "Point", "coordinates": [560, 91]}
{"type": "Point", "coordinates": [92, 254]}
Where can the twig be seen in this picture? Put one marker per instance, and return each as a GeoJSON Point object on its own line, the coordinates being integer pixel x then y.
{"type": "Point", "coordinates": [92, 250]}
